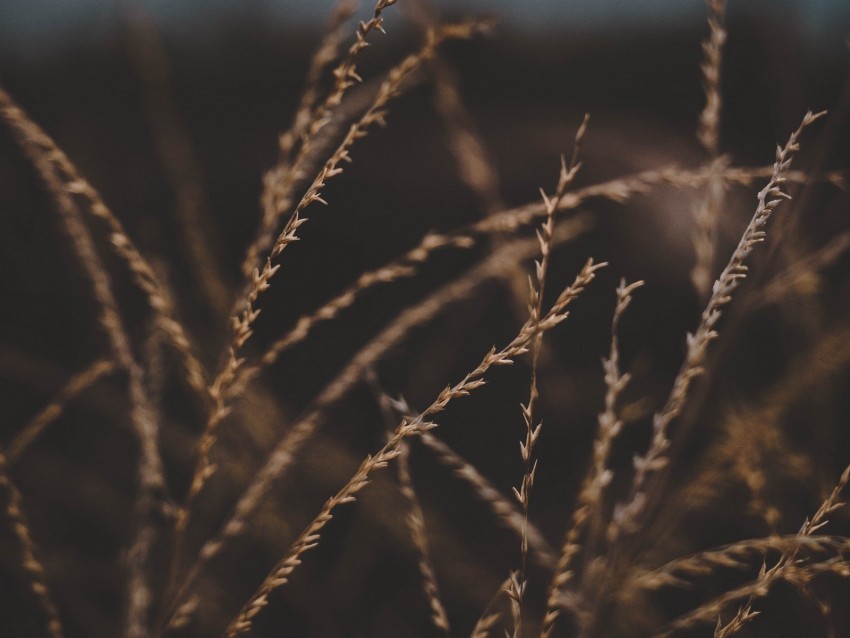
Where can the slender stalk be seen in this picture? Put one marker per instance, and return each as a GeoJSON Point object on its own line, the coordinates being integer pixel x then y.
{"type": "Point", "coordinates": [590, 497]}
{"type": "Point", "coordinates": [628, 515]}
{"type": "Point", "coordinates": [281, 458]}
{"type": "Point", "coordinates": [517, 584]}
{"type": "Point", "coordinates": [33, 567]}
{"type": "Point", "coordinates": [77, 384]}
{"type": "Point", "coordinates": [150, 473]}
{"type": "Point", "coordinates": [242, 323]}
{"type": "Point", "coordinates": [407, 428]}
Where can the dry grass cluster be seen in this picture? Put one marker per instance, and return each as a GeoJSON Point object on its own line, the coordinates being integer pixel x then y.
{"type": "Point", "coordinates": [177, 483]}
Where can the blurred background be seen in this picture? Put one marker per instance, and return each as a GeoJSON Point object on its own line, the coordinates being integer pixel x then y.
{"type": "Point", "coordinates": [40, 27]}
{"type": "Point", "coordinates": [97, 75]}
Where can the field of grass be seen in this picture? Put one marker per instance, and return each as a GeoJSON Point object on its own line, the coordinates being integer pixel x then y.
{"type": "Point", "coordinates": [450, 330]}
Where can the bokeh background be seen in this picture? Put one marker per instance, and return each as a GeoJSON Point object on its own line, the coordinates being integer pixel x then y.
{"type": "Point", "coordinates": [235, 70]}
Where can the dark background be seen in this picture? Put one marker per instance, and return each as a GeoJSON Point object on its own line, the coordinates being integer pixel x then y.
{"type": "Point", "coordinates": [236, 79]}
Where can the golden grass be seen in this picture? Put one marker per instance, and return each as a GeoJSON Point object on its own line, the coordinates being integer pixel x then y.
{"type": "Point", "coordinates": [602, 579]}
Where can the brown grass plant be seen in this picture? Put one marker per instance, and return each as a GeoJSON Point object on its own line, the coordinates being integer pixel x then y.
{"type": "Point", "coordinates": [309, 538]}
{"type": "Point", "coordinates": [587, 510]}
{"type": "Point", "coordinates": [683, 480]}
{"type": "Point", "coordinates": [537, 287]}
{"type": "Point", "coordinates": [323, 57]}
{"type": "Point", "coordinates": [303, 428]}
{"type": "Point", "coordinates": [620, 190]}
{"type": "Point", "coordinates": [416, 523]}
{"type": "Point", "coordinates": [310, 119]}
{"type": "Point", "coordinates": [242, 324]}
{"type": "Point", "coordinates": [177, 155]}
{"type": "Point", "coordinates": [150, 473]}
{"type": "Point", "coordinates": [65, 177]}
{"type": "Point", "coordinates": [505, 510]}
{"type": "Point", "coordinates": [35, 573]}
{"type": "Point", "coordinates": [77, 384]}
{"type": "Point", "coordinates": [794, 573]}
{"type": "Point", "coordinates": [803, 275]}
{"type": "Point", "coordinates": [475, 165]}
{"type": "Point", "coordinates": [787, 565]}
{"type": "Point", "coordinates": [790, 567]}
{"type": "Point", "coordinates": [415, 518]}
{"type": "Point", "coordinates": [627, 515]}
{"type": "Point", "coordinates": [798, 573]}
{"type": "Point", "coordinates": [707, 211]}
{"type": "Point", "coordinates": [712, 48]}
{"type": "Point", "coordinates": [755, 430]}
{"type": "Point", "coordinates": [490, 617]}
{"type": "Point", "coordinates": [740, 555]}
